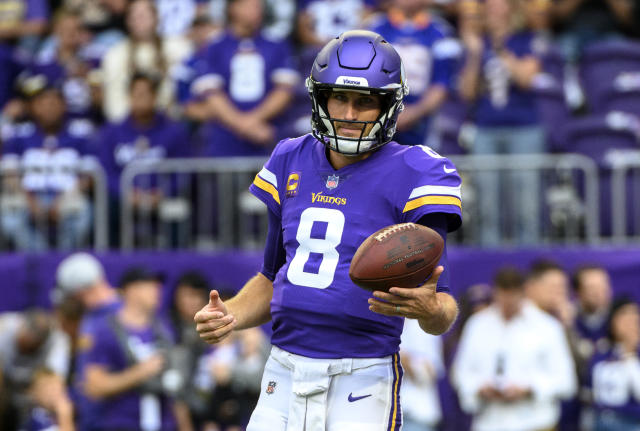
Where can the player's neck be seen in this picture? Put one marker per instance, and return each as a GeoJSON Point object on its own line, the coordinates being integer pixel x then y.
{"type": "Point", "coordinates": [339, 161]}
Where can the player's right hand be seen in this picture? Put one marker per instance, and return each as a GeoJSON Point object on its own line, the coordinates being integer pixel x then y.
{"type": "Point", "coordinates": [213, 321]}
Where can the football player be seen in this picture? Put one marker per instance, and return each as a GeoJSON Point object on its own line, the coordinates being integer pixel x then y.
{"type": "Point", "coordinates": [334, 362]}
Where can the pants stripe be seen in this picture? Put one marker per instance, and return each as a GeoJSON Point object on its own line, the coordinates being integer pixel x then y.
{"type": "Point", "coordinates": [395, 416]}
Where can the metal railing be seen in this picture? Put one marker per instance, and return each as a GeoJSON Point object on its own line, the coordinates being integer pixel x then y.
{"type": "Point", "coordinates": [204, 203]}
{"type": "Point", "coordinates": [232, 220]}
{"type": "Point", "coordinates": [625, 196]}
{"type": "Point", "coordinates": [567, 181]}
{"type": "Point", "coordinates": [13, 195]}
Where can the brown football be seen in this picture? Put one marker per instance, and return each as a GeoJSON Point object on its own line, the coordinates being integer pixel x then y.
{"type": "Point", "coordinates": [402, 255]}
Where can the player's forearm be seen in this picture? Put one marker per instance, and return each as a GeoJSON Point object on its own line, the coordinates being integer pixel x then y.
{"type": "Point", "coordinates": [274, 104]}
{"type": "Point", "coordinates": [252, 305]}
{"type": "Point", "coordinates": [440, 323]}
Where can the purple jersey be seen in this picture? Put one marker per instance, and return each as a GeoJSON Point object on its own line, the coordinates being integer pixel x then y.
{"type": "Point", "coordinates": [247, 70]}
{"type": "Point", "coordinates": [86, 408]}
{"type": "Point", "coordinates": [502, 102]}
{"type": "Point", "coordinates": [615, 383]}
{"type": "Point", "coordinates": [123, 411]}
{"type": "Point", "coordinates": [124, 142]}
{"type": "Point", "coordinates": [325, 215]}
{"type": "Point", "coordinates": [429, 56]}
{"type": "Point", "coordinates": [50, 162]}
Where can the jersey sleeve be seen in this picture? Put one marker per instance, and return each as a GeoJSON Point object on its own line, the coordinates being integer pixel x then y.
{"type": "Point", "coordinates": [284, 70]}
{"type": "Point", "coordinates": [434, 187]}
{"type": "Point", "coordinates": [267, 184]}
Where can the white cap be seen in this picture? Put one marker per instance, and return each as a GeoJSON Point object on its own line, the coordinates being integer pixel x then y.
{"type": "Point", "coordinates": [75, 273]}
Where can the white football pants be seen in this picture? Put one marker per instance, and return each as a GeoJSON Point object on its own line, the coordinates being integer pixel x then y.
{"type": "Point", "coordinates": [306, 394]}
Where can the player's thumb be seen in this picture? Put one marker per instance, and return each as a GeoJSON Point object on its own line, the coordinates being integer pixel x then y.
{"type": "Point", "coordinates": [214, 299]}
{"type": "Point", "coordinates": [435, 276]}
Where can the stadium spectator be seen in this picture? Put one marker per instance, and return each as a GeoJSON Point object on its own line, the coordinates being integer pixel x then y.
{"type": "Point", "coordinates": [142, 51]}
{"type": "Point", "coordinates": [29, 341]}
{"type": "Point", "coordinates": [547, 286]}
{"type": "Point", "coordinates": [279, 20]}
{"type": "Point", "coordinates": [194, 104]}
{"type": "Point", "coordinates": [422, 362]}
{"type": "Point", "coordinates": [615, 372]}
{"type": "Point", "coordinates": [474, 299]}
{"type": "Point", "coordinates": [50, 150]}
{"type": "Point", "coordinates": [593, 293]}
{"type": "Point", "coordinates": [145, 135]}
{"type": "Point", "coordinates": [67, 59]}
{"type": "Point", "coordinates": [497, 76]}
{"type": "Point", "coordinates": [319, 21]}
{"type": "Point", "coordinates": [50, 405]}
{"type": "Point", "coordinates": [175, 17]}
{"type": "Point", "coordinates": [21, 23]}
{"type": "Point", "coordinates": [331, 342]}
{"type": "Point", "coordinates": [191, 294]}
{"type": "Point", "coordinates": [128, 370]}
{"type": "Point", "coordinates": [429, 55]}
{"type": "Point", "coordinates": [236, 367]}
{"type": "Point", "coordinates": [249, 82]}
{"type": "Point", "coordinates": [513, 365]}
{"type": "Point", "coordinates": [100, 16]}
{"type": "Point", "coordinates": [81, 277]}
{"type": "Point", "coordinates": [589, 333]}
{"type": "Point", "coordinates": [583, 22]}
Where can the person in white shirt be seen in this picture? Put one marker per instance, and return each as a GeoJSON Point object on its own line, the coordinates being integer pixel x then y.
{"type": "Point", "coordinates": [513, 365]}
{"type": "Point", "coordinates": [423, 364]}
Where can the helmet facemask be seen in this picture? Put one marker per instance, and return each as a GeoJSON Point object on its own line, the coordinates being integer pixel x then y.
{"type": "Point", "coordinates": [323, 125]}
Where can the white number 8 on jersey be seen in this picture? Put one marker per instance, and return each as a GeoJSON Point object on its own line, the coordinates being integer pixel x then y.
{"type": "Point", "coordinates": [325, 246]}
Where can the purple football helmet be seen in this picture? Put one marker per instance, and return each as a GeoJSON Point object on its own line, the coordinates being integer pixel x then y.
{"type": "Point", "coordinates": [362, 61]}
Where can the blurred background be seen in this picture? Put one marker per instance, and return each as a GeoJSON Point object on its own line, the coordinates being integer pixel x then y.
{"type": "Point", "coordinates": [131, 129]}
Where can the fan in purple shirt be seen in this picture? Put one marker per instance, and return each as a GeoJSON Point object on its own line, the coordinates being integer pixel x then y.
{"type": "Point", "coordinates": [615, 372]}
{"type": "Point", "coordinates": [249, 83]}
{"type": "Point", "coordinates": [67, 59]}
{"type": "Point", "coordinates": [127, 367]}
{"type": "Point", "coordinates": [49, 152]}
{"type": "Point", "coordinates": [326, 192]}
{"type": "Point", "coordinates": [145, 135]}
{"type": "Point", "coordinates": [20, 19]}
{"type": "Point", "coordinates": [429, 55]}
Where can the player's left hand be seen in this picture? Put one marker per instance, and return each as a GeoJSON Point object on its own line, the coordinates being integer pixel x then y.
{"type": "Point", "coordinates": [415, 303]}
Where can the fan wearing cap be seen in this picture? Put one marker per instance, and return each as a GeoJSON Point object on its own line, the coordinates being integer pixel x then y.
{"type": "Point", "coordinates": [80, 277]}
{"type": "Point", "coordinates": [50, 151]}
{"type": "Point", "coordinates": [615, 372]}
{"type": "Point", "coordinates": [334, 363]}
{"type": "Point", "coordinates": [126, 368]}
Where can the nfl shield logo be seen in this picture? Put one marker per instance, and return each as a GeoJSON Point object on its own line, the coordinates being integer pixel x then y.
{"type": "Point", "coordinates": [332, 181]}
{"type": "Point", "coordinates": [271, 387]}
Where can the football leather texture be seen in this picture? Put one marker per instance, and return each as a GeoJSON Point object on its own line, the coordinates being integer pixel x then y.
{"type": "Point", "coordinates": [402, 255]}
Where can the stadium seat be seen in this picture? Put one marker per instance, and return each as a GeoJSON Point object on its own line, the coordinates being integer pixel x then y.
{"type": "Point", "coordinates": [603, 137]}
{"type": "Point", "coordinates": [622, 94]}
{"type": "Point", "coordinates": [602, 62]}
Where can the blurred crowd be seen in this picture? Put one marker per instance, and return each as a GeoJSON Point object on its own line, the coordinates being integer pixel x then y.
{"type": "Point", "coordinates": [140, 80]}
{"type": "Point", "coordinates": [533, 350]}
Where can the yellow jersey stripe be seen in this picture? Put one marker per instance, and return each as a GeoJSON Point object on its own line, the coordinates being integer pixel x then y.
{"type": "Point", "coordinates": [267, 187]}
{"type": "Point", "coordinates": [396, 375]}
{"type": "Point", "coordinates": [432, 200]}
